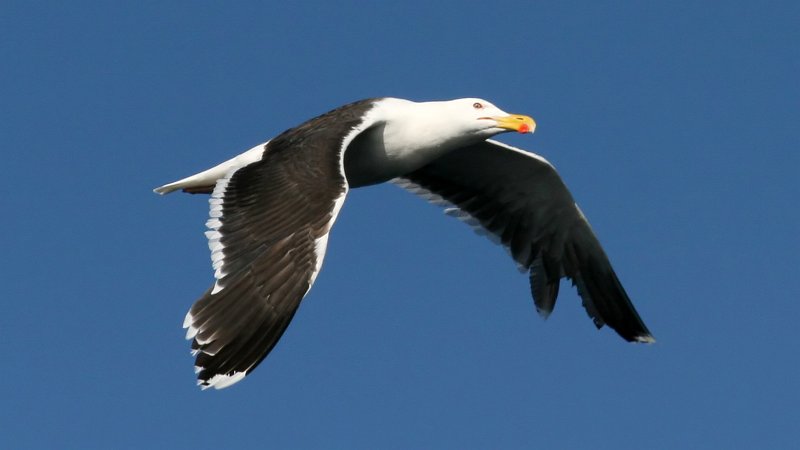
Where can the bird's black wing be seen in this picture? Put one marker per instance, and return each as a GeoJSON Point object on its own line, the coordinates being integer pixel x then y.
{"type": "Point", "coordinates": [520, 200]}
{"type": "Point", "coordinates": [268, 233]}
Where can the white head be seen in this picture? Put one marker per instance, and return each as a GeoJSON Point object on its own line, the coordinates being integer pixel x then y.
{"type": "Point", "coordinates": [478, 117]}
{"type": "Point", "coordinates": [435, 127]}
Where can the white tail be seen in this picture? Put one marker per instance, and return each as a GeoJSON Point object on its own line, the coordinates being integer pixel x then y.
{"type": "Point", "coordinates": [209, 177]}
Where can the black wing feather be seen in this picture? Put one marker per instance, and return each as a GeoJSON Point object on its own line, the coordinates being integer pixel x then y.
{"type": "Point", "coordinates": [521, 200]}
{"type": "Point", "coordinates": [274, 212]}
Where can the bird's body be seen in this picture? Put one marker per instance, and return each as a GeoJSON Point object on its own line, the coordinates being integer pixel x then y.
{"type": "Point", "coordinates": [273, 206]}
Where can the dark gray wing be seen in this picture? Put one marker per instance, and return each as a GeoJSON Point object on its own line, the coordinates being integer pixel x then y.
{"type": "Point", "coordinates": [520, 200]}
{"type": "Point", "coordinates": [268, 234]}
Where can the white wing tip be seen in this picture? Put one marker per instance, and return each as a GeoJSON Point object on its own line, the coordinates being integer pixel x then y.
{"type": "Point", "coordinates": [645, 339]}
{"type": "Point", "coordinates": [191, 332]}
{"type": "Point", "coordinates": [220, 381]}
{"type": "Point", "coordinates": [188, 321]}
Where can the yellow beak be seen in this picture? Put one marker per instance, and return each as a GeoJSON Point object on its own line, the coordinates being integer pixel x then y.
{"type": "Point", "coordinates": [515, 122]}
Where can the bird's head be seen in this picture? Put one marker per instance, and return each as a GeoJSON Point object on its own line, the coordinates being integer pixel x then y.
{"type": "Point", "coordinates": [415, 133]}
{"type": "Point", "coordinates": [480, 117]}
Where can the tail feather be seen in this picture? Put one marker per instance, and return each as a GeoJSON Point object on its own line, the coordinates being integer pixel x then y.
{"type": "Point", "coordinates": [201, 182]}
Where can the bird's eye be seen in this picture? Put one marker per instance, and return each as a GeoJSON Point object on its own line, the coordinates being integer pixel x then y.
{"type": "Point", "coordinates": [477, 105]}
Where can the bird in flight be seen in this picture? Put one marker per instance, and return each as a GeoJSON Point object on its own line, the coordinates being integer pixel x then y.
{"type": "Point", "coordinates": [273, 206]}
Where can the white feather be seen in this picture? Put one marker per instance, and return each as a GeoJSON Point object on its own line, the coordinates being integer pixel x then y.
{"type": "Point", "coordinates": [210, 176]}
{"type": "Point", "coordinates": [221, 381]}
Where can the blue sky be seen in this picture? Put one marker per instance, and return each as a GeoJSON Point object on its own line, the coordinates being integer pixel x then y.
{"type": "Point", "coordinates": [674, 125]}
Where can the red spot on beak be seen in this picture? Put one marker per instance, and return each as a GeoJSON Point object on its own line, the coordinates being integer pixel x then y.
{"type": "Point", "coordinates": [524, 128]}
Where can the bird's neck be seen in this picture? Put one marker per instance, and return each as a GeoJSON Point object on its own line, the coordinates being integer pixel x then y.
{"type": "Point", "coordinates": [392, 149]}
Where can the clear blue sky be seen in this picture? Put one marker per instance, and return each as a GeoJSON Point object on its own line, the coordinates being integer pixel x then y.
{"type": "Point", "coordinates": [674, 124]}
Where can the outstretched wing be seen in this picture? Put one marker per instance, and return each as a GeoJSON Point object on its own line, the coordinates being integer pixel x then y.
{"type": "Point", "coordinates": [268, 233]}
{"type": "Point", "coordinates": [519, 199]}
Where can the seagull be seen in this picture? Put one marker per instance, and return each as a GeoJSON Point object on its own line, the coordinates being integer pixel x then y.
{"type": "Point", "coordinates": [273, 206]}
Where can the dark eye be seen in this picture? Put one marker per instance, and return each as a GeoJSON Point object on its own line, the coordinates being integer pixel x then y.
{"type": "Point", "coordinates": [477, 105]}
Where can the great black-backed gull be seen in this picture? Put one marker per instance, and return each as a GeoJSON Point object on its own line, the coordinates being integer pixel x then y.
{"type": "Point", "coordinates": [273, 206]}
